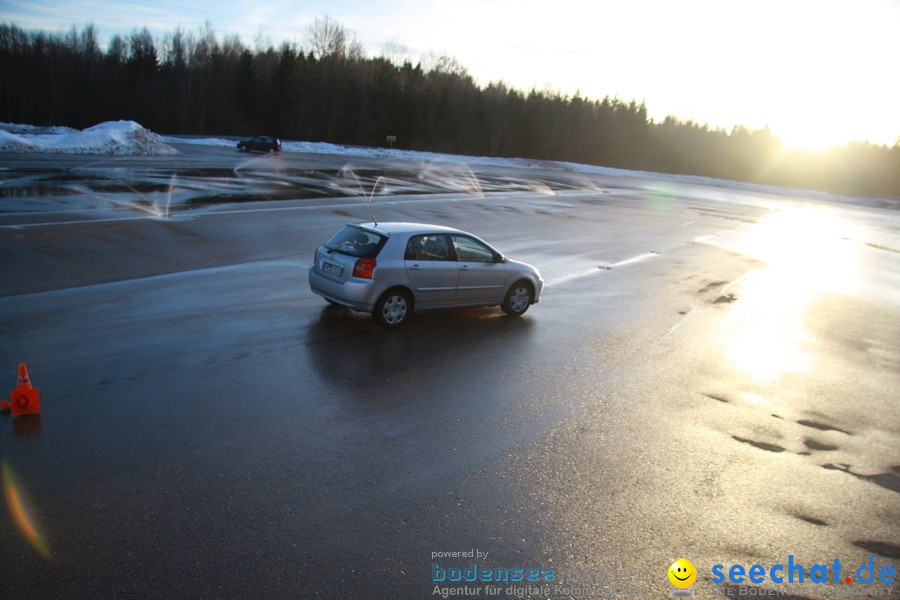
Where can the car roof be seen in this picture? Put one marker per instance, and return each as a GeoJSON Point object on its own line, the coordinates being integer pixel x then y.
{"type": "Point", "coordinates": [394, 227]}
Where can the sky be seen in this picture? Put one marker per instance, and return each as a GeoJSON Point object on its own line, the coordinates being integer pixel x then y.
{"type": "Point", "coordinates": [816, 72]}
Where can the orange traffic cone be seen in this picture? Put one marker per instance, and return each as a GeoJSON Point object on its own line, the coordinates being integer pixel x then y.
{"type": "Point", "coordinates": [25, 400]}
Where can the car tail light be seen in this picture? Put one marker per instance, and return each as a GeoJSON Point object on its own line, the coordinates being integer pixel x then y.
{"type": "Point", "coordinates": [363, 268]}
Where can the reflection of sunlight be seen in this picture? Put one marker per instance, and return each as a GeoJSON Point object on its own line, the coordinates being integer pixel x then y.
{"type": "Point", "coordinates": [755, 399]}
{"type": "Point", "coordinates": [805, 254]}
{"type": "Point", "coordinates": [19, 509]}
{"type": "Point", "coordinates": [807, 246]}
{"type": "Point", "coordinates": [764, 330]}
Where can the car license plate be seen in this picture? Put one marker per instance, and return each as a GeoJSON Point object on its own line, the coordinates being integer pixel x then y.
{"type": "Point", "coordinates": [332, 269]}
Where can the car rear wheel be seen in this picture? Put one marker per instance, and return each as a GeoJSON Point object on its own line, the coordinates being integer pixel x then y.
{"type": "Point", "coordinates": [518, 299]}
{"type": "Point", "coordinates": [392, 309]}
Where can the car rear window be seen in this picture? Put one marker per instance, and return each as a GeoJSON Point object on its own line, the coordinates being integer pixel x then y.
{"type": "Point", "coordinates": [356, 241]}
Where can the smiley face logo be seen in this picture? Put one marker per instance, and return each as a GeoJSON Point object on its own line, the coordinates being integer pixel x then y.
{"type": "Point", "coordinates": [682, 573]}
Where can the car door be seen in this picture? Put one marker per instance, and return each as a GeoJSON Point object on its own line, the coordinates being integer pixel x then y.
{"type": "Point", "coordinates": [432, 270]}
{"type": "Point", "coordinates": [482, 274]}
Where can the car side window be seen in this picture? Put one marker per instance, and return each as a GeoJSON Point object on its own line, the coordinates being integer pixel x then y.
{"type": "Point", "coordinates": [471, 250]}
{"type": "Point", "coordinates": [428, 247]}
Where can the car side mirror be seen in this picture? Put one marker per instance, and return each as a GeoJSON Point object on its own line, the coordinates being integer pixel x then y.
{"type": "Point", "coordinates": [499, 258]}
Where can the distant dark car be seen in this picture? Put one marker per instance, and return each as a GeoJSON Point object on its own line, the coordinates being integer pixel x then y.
{"type": "Point", "coordinates": [260, 144]}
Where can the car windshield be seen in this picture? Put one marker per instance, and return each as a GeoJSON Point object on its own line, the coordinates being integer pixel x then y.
{"type": "Point", "coordinates": [356, 241]}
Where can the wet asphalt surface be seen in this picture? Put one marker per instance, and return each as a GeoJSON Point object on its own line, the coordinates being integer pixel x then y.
{"type": "Point", "coordinates": [711, 374]}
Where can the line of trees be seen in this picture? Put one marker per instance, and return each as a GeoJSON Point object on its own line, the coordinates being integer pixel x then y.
{"type": "Point", "coordinates": [328, 90]}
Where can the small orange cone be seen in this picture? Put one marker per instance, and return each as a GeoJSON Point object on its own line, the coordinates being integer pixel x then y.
{"type": "Point", "coordinates": [25, 399]}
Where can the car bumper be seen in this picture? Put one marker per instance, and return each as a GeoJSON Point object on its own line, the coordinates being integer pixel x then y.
{"type": "Point", "coordinates": [358, 294]}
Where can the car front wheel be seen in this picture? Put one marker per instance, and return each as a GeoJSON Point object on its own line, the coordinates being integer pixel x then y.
{"type": "Point", "coordinates": [518, 299]}
{"type": "Point", "coordinates": [392, 309]}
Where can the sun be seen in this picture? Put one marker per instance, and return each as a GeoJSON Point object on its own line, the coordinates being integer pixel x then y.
{"type": "Point", "coordinates": [809, 140]}
{"type": "Point", "coordinates": [815, 133]}
{"type": "Point", "coordinates": [799, 136]}
{"type": "Point", "coordinates": [820, 128]}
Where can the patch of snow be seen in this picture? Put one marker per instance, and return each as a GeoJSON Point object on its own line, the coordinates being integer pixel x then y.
{"type": "Point", "coordinates": [112, 137]}
{"type": "Point", "coordinates": [198, 141]}
{"type": "Point", "coordinates": [326, 148]}
{"type": "Point", "coordinates": [10, 142]}
{"type": "Point", "coordinates": [34, 129]}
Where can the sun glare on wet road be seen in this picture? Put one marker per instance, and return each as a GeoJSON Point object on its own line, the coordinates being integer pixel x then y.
{"type": "Point", "coordinates": [806, 254]}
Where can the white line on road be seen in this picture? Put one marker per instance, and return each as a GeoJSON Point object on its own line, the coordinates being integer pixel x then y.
{"type": "Point", "coordinates": [600, 269]}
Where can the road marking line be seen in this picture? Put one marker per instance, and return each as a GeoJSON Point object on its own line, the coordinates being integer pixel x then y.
{"type": "Point", "coordinates": [688, 315]}
{"type": "Point", "coordinates": [600, 269]}
{"type": "Point", "coordinates": [633, 259]}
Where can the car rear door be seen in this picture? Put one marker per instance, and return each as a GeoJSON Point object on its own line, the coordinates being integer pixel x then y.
{"type": "Point", "coordinates": [432, 270]}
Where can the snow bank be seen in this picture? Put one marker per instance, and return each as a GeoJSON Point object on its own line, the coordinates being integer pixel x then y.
{"type": "Point", "coordinates": [418, 155]}
{"type": "Point", "coordinates": [34, 129]}
{"type": "Point", "coordinates": [112, 137]}
{"type": "Point", "coordinates": [10, 142]}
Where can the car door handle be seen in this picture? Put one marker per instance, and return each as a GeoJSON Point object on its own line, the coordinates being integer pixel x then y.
{"type": "Point", "coordinates": [464, 267]}
{"type": "Point", "coordinates": [415, 267]}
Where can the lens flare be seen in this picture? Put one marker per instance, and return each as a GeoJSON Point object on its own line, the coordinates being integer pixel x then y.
{"type": "Point", "coordinates": [21, 513]}
{"type": "Point", "coordinates": [661, 196]}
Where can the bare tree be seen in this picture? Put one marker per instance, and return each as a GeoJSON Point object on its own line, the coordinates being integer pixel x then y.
{"type": "Point", "coordinates": [443, 63]}
{"type": "Point", "coordinates": [326, 37]}
{"type": "Point", "coordinates": [396, 52]}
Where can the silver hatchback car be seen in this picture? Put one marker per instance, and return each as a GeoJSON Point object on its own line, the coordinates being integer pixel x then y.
{"type": "Point", "coordinates": [391, 269]}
